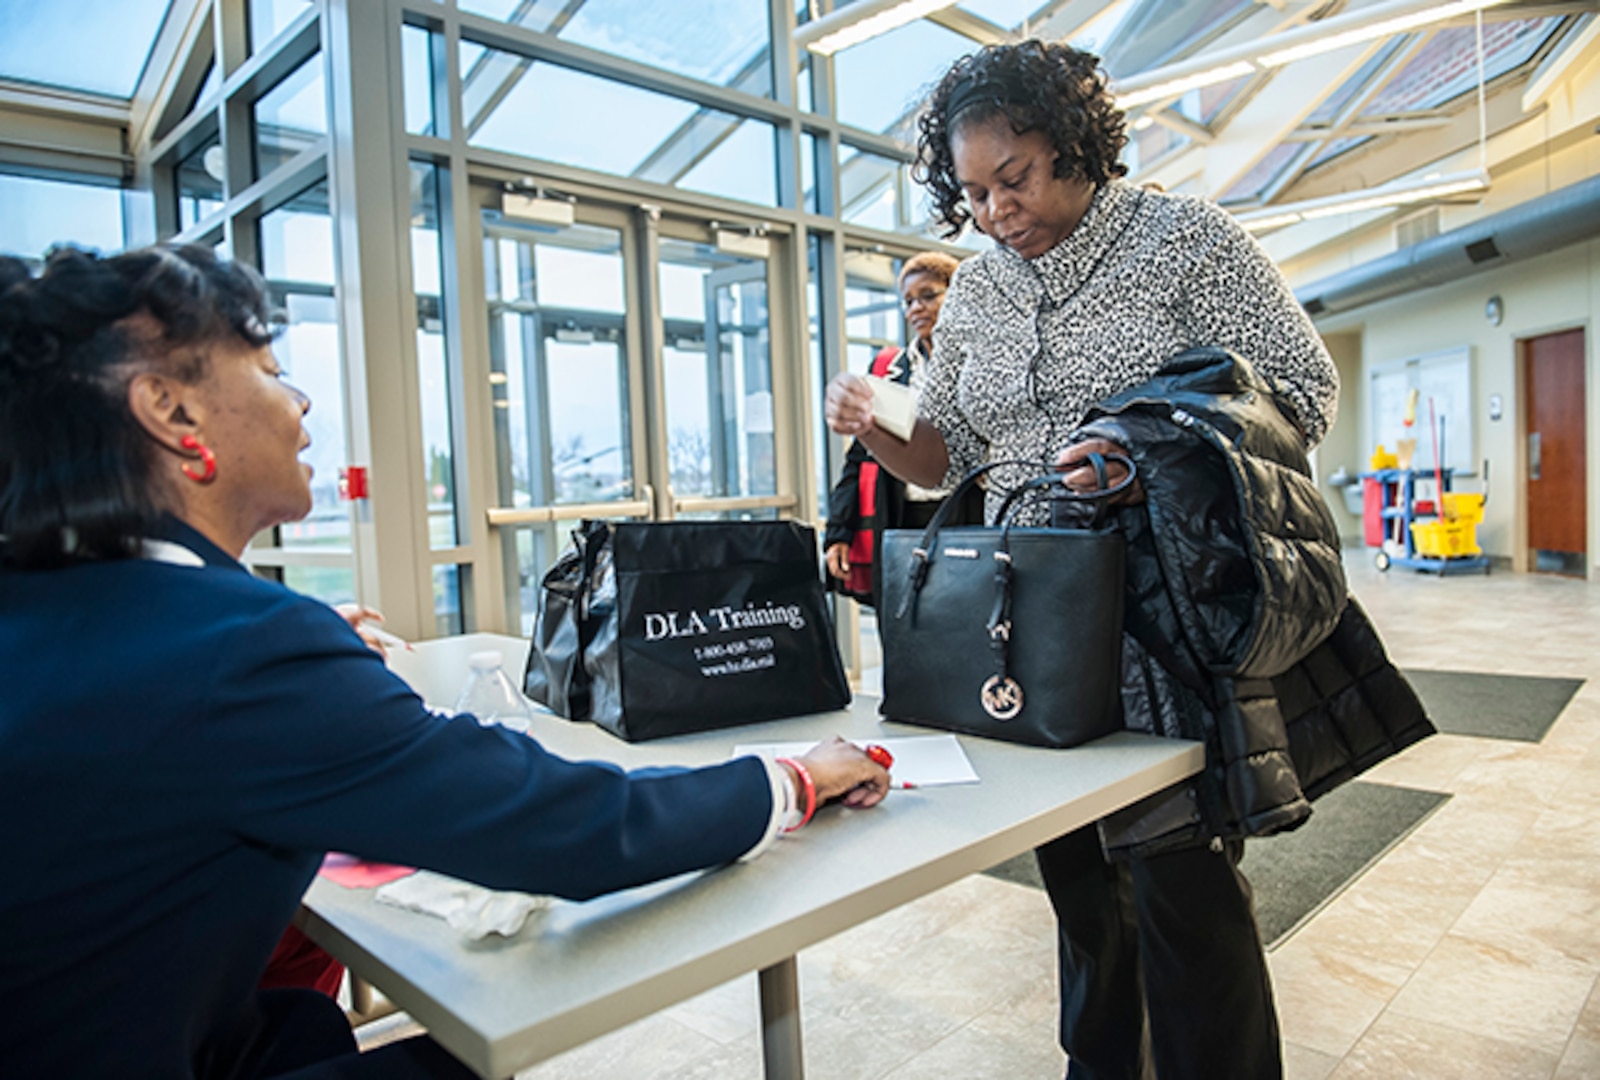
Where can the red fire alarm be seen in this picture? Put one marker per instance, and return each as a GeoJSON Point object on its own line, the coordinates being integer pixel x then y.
{"type": "Point", "coordinates": [353, 482]}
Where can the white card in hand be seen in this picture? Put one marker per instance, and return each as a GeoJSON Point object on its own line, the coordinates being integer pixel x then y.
{"type": "Point", "coordinates": [894, 407]}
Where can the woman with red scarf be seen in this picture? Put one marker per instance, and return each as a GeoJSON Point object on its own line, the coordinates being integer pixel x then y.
{"type": "Point", "coordinates": [867, 499]}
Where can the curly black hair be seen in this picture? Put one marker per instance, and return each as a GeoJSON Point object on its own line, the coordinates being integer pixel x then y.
{"type": "Point", "coordinates": [76, 480]}
{"type": "Point", "coordinates": [1055, 89]}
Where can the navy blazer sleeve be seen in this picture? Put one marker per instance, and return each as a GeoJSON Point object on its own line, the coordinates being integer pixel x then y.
{"type": "Point", "coordinates": [325, 749]}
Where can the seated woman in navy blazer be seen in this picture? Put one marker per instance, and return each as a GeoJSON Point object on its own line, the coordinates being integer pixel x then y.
{"type": "Point", "coordinates": [181, 741]}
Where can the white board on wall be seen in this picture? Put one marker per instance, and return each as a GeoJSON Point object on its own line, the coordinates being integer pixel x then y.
{"type": "Point", "coordinates": [1445, 379]}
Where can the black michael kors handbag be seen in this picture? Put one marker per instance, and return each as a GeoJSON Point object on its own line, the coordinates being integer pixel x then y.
{"type": "Point", "coordinates": [1006, 632]}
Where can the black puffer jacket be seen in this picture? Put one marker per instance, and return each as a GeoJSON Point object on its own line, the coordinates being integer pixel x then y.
{"type": "Point", "coordinates": [1240, 630]}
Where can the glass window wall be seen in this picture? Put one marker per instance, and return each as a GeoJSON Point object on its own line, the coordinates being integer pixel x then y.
{"type": "Point", "coordinates": [558, 371]}
{"type": "Point", "coordinates": [811, 196]}
{"type": "Point", "coordinates": [874, 191]}
{"type": "Point", "coordinates": [871, 307]}
{"type": "Point", "coordinates": [296, 243]}
{"type": "Point", "coordinates": [290, 117]}
{"type": "Point", "coordinates": [416, 46]}
{"type": "Point", "coordinates": [881, 82]}
{"type": "Point", "coordinates": [333, 584]}
{"type": "Point", "coordinates": [438, 440]}
{"type": "Point", "coordinates": [268, 17]}
{"type": "Point", "coordinates": [814, 357]}
{"type": "Point", "coordinates": [448, 615]}
{"type": "Point", "coordinates": [726, 42]}
{"type": "Point", "coordinates": [546, 111]}
{"type": "Point", "coordinates": [805, 91]}
{"type": "Point", "coordinates": [36, 215]}
{"type": "Point", "coordinates": [558, 380]}
{"type": "Point", "coordinates": [199, 182]}
{"type": "Point", "coordinates": [718, 368]}
{"type": "Point", "coordinates": [719, 154]}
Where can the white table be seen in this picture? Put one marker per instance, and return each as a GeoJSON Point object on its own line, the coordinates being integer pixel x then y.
{"type": "Point", "coordinates": [577, 971]}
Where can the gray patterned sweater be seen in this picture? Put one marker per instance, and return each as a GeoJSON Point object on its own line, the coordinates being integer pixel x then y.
{"type": "Point", "coordinates": [1024, 347]}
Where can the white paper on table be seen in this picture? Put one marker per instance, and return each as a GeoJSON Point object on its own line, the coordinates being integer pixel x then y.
{"type": "Point", "coordinates": [894, 407]}
{"type": "Point", "coordinates": [919, 760]}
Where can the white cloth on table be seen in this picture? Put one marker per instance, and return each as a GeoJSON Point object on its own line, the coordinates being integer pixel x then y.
{"type": "Point", "coordinates": [474, 911]}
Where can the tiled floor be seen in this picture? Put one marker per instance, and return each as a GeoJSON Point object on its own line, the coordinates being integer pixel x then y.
{"type": "Point", "coordinates": [1471, 949]}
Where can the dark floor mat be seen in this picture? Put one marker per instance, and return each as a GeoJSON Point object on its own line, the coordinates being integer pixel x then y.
{"type": "Point", "coordinates": [1520, 707]}
{"type": "Point", "coordinates": [1295, 873]}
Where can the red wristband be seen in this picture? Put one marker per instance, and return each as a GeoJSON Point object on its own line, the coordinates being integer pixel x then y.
{"type": "Point", "coordinates": [810, 790]}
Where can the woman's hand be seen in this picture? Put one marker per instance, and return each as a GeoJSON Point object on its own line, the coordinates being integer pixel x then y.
{"type": "Point", "coordinates": [359, 614]}
{"type": "Point", "coordinates": [847, 406]}
{"type": "Point", "coordinates": [837, 558]}
{"type": "Point", "coordinates": [1074, 461]}
{"type": "Point", "coordinates": [841, 770]}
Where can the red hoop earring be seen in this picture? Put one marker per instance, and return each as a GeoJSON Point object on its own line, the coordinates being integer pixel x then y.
{"type": "Point", "coordinates": [208, 460]}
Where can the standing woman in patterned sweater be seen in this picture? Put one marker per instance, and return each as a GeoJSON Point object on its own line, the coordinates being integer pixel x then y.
{"type": "Point", "coordinates": [1092, 285]}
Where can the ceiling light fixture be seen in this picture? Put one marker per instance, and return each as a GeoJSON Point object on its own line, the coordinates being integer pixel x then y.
{"type": "Point", "coordinates": [1312, 39]}
{"type": "Point", "coordinates": [1404, 193]}
{"type": "Point", "coordinates": [861, 21]}
{"type": "Point", "coordinates": [1181, 85]}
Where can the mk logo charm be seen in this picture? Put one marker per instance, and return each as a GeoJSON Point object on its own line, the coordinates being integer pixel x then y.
{"type": "Point", "coordinates": [1002, 698]}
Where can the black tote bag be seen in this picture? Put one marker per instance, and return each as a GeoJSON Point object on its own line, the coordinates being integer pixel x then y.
{"type": "Point", "coordinates": [1009, 633]}
{"type": "Point", "coordinates": [555, 674]}
{"type": "Point", "coordinates": [656, 629]}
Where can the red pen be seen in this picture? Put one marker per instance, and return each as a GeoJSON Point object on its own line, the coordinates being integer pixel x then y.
{"type": "Point", "coordinates": [880, 755]}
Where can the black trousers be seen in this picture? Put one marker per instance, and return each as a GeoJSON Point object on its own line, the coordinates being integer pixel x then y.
{"type": "Point", "coordinates": [1162, 970]}
{"type": "Point", "coordinates": [303, 1035]}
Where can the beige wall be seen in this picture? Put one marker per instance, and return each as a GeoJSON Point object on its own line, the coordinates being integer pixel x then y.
{"type": "Point", "coordinates": [1555, 292]}
{"type": "Point", "coordinates": [1341, 448]}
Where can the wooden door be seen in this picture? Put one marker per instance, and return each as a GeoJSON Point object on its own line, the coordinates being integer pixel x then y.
{"type": "Point", "coordinates": [1553, 393]}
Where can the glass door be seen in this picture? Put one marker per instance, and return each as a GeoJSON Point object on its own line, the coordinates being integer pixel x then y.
{"type": "Point", "coordinates": [561, 388]}
{"type": "Point", "coordinates": [593, 419]}
{"type": "Point", "coordinates": [717, 360]}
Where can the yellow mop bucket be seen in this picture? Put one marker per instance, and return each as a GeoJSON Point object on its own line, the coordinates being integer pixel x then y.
{"type": "Point", "coordinates": [1455, 534]}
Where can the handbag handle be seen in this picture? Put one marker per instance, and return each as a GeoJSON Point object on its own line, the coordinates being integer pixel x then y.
{"type": "Point", "coordinates": [587, 538]}
{"type": "Point", "coordinates": [922, 554]}
{"type": "Point", "coordinates": [1102, 489]}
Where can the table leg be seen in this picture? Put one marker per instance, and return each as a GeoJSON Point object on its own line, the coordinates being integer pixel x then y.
{"type": "Point", "coordinates": [780, 1021]}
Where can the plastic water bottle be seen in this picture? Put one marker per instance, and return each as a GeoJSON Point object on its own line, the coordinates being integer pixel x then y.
{"type": "Point", "coordinates": [491, 696]}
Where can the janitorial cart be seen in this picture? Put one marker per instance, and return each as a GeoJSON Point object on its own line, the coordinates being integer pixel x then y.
{"type": "Point", "coordinates": [1437, 535]}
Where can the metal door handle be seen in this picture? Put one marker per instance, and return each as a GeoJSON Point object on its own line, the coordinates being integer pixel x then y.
{"type": "Point", "coordinates": [1533, 455]}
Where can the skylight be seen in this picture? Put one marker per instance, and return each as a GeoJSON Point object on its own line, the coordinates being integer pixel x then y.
{"type": "Point", "coordinates": [98, 46]}
{"type": "Point", "coordinates": [1447, 67]}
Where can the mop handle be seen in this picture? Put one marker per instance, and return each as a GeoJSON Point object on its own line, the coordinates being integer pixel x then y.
{"type": "Point", "coordinates": [1438, 466]}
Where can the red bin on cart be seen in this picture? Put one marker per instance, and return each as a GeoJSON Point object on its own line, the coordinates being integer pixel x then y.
{"type": "Point", "coordinates": [1372, 511]}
